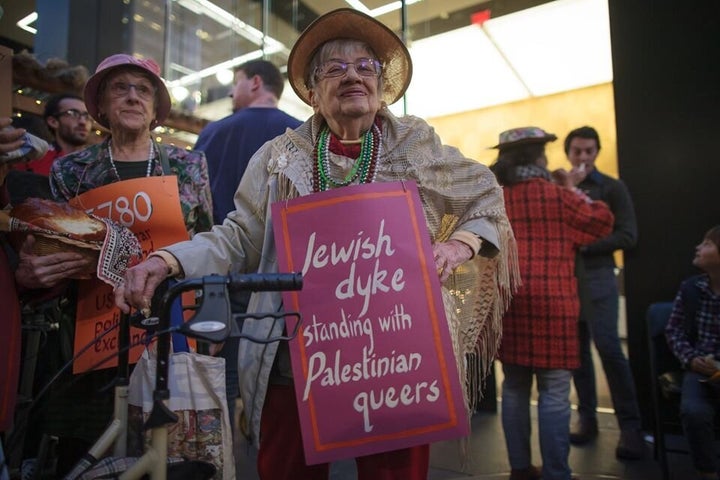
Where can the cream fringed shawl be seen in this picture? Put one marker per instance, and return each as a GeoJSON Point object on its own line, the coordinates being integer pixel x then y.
{"type": "Point", "coordinates": [456, 193]}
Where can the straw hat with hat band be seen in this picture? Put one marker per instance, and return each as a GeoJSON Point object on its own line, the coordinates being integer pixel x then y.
{"type": "Point", "coordinates": [346, 23]}
{"type": "Point", "coordinates": [125, 61]}
{"type": "Point", "coordinates": [524, 136]}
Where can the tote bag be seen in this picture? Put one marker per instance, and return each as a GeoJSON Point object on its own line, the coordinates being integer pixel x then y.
{"type": "Point", "coordinates": [197, 396]}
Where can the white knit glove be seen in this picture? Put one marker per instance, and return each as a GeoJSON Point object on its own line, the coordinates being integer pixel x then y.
{"type": "Point", "coordinates": [450, 255]}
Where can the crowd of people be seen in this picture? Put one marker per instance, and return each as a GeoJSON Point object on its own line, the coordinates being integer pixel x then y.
{"type": "Point", "coordinates": [539, 243]}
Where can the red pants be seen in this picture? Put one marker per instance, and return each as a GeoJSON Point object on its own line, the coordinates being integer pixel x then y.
{"type": "Point", "coordinates": [281, 455]}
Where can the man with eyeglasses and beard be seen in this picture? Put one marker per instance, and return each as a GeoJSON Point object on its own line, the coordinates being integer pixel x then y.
{"type": "Point", "coordinates": [70, 123]}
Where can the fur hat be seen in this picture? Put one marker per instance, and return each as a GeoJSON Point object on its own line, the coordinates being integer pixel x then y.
{"type": "Point", "coordinates": [523, 136]}
{"type": "Point", "coordinates": [128, 62]}
{"type": "Point", "coordinates": [346, 23]}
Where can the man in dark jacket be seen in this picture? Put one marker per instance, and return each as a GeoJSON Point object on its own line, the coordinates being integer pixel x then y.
{"type": "Point", "coordinates": [230, 142]}
{"type": "Point", "coordinates": [599, 301]}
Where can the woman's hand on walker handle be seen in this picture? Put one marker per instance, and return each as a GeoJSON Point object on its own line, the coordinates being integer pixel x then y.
{"type": "Point", "coordinates": [140, 284]}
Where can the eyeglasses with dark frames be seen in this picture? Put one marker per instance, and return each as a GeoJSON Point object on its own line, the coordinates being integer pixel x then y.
{"type": "Point", "coordinates": [366, 67]}
{"type": "Point", "coordinates": [74, 114]}
{"type": "Point", "coordinates": [121, 89]}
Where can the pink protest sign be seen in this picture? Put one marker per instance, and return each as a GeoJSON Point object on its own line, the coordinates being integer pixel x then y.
{"type": "Point", "coordinates": [373, 363]}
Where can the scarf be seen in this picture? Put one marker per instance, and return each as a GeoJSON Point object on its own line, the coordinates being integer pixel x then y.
{"type": "Point", "coordinates": [526, 172]}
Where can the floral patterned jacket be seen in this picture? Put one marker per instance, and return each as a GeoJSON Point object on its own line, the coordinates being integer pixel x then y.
{"type": "Point", "coordinates": [90, 168]}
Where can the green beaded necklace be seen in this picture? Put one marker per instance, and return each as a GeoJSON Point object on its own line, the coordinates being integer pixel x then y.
{"type": "Point", "coordinates": [364, 167]}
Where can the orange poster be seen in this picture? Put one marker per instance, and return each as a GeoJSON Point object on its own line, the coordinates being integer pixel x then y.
{"type": "Point", "coordinates": [150, 208]}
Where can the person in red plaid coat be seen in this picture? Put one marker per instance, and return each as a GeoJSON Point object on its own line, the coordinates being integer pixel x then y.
{"type": "Point", "coordinates": [551, 220]}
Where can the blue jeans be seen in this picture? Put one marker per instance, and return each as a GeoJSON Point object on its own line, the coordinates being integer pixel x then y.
{"type": "Point", "coordinates": [598, 293]}
{"type": "Point", "coordinates": [698, 404]}
{"type": "Point", "coordinates": [553, 418]}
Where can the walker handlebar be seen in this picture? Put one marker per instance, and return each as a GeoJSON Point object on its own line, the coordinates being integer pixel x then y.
{"type": "Point", "coordinates": [211, 319]}
{"type": "Point", "coordinates": [264, 282]}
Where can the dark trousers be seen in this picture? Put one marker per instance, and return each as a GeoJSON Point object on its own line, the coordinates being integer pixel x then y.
{"type": "Point", "coordinates": [599, 322]}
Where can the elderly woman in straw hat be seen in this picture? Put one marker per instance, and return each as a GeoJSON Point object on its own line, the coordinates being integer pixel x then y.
{"type": "Point", "coordinates": [348, 67]}
{"type": "Point", "coordinates": [127, 96]}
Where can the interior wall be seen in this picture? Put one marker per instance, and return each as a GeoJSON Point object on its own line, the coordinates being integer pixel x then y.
{"type": "Point", "coordinates": [474, 132]}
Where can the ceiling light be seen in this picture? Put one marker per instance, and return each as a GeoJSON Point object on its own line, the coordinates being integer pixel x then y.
{"type": "Point", "coordinates": [570, 45]}
{"type": "Point", "coordinates": [228, 20]}
{"type": "Point", "coordinates": [225, 76]}
{"type": "Point", "coordinates": [268, 45]}
{"type": "Point", "coordinates": [196, 76]}
{"type": "Point", "coordinates": [381, 10]}
{"type": "Point", "coordinates": [495, 62]}
{"type": "Point", "coordinates": [24, 23]}
{"type": "Point", "coordinates": [179, 93]}
{"type": "Point", "coordinates": [460, 79]}
{"type": "Point", "coordinates": [358, 5]}
{"type": "Point", "coordinates": [390, 7]}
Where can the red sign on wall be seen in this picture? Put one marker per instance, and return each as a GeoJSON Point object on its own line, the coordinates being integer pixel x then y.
{"type": "Point", "coordinates": [373, 363]}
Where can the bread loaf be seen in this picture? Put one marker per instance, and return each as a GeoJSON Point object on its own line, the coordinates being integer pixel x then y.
{"type": "Point", "coordinates": [62, 219]}
{"type": "Point", "coordinates": [60, 228]}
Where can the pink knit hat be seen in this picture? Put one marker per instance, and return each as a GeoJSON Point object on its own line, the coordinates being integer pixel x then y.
{"type": "Point", "coordinates": [121, 61]}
